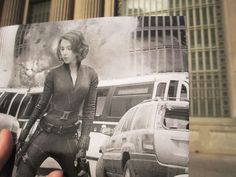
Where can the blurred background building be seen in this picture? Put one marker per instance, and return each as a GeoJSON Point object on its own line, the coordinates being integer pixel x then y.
{"type": "Point", "coordinates": [158, 45]}
{"type": "Point", "coordinates": [211, 43]}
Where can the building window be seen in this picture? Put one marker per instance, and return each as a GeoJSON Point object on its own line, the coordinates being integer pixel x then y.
{"type": "Point", "coordinates": [21, 43]}
{"type": "Point", "coordinates": [199, 38]}
{"type": "Point", "coordinates": [1, 8]}
{"type": "Point", "coordinates": [214, 59]}
{"type": "Point", "coordinates": [171, 3]}
{"type": "Point", "coordinates": [204, 15]}
{"type": "Point", "coordinates": [208, 61]}
{"type": "Point", "coordinates": [206, 41]}
{"type": "Point", "coordinates": [200, 62]}
{"type": "Point", "coordinates": [38, 11]}
{"type": "Point", "coordinates": [197, 16]}
{"type": "Point", "coordinates": [192, 38]}
{"type": "Point", "coordinates": [213, 38]}
{"type": "Point", "coordinates": [193, 64]}
{"type": "Point", "coordinates": [190, 17]}
{"type": "Point", "coordinates": [211, 15]}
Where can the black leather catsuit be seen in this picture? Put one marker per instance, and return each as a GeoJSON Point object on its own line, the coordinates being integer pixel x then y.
{"type": "Point", "coordinates": [56, 133]}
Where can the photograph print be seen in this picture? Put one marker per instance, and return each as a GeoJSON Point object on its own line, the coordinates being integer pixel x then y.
{"type": "Point", "coordinates": [97, 97]}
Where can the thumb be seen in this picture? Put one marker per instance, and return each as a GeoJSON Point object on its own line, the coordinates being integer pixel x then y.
{"type": "Point", "coordinates": [6, 144]}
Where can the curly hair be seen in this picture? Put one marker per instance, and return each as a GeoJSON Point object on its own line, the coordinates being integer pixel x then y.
{"type": "Point", "coordinates": [79, 46]}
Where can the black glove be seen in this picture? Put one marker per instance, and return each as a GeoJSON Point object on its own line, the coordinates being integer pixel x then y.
{"type": "Point", "coordinates": [81, 164]}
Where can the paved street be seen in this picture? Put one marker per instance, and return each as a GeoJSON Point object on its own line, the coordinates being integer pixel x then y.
{"type": "Point", "coordinates": [210, 165]}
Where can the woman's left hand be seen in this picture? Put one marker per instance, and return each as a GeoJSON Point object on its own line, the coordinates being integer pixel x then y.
{"type": "Point", "coordinates": [6, 144]}
{"type": "Point", "coordinates": [81, 153]}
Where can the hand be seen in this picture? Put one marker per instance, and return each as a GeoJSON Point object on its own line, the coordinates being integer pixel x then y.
{"type": "Point", "coordinates": [81, 153]}
{"type": "Point", "coordinates": [6, 144]}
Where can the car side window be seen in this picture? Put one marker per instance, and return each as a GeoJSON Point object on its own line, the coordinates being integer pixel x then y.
{"type": "Point", "coordinates": [124, 124]}
{"type": "Point", "coordinates": [161, 90]}
{"type": "Point", "coordinates": [5, 103]}
{"type": "Point", "coordinates": [183, 93]}
{"type": "Point", "coordinates": [142, 117]}
{"type": "Point", "coordinates": [176, 118]}
{"type": "Point", "coordinates": [126, 97]}
{"type": "Point", "coordinates": [15, 104]}
{"type": "Point", "coordinates": [24, 105]}
{"type": "Point", "coordinates": [31, 104]}
{"type": "Point", "coordinates": [129, 118]}
{"type": "Point", "coordinates": [101, 99]}
{"type": "Point", "coordinates": [172, 92]}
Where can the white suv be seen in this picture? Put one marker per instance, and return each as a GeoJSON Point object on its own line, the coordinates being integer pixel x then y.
{"type": "Point", "coordinates": [151, 139]}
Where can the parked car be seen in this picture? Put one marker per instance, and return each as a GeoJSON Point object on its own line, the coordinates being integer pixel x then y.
{"type": "Point", "coordinates": [151, 139]}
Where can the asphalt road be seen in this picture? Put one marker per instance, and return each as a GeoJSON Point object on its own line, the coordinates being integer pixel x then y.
{"type": "Point", "coordinates": [212, 165]}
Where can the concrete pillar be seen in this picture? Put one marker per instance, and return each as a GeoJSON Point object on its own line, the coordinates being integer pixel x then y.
{"type": "Point", "coordinates": [88, 9]}
{"type": "Point", "coordinates": [230, 41]}
{"type": "Point", "coordinates": [109, 8]}
{"type": "Point", "coordinates": [12, 13]}
{"type": "Point", "coordinates": [61, 10]}
{"type": "Point", "coordinates": [25, 11]}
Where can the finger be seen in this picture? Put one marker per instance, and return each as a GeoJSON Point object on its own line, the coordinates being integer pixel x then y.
{"type": "Point", "coordinates": [56, 174]}
{"type": "Point", "coordinates": [6, 144]}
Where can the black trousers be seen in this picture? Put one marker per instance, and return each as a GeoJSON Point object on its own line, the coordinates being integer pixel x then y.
{"type": "Point", "coordinates": [61, 147]}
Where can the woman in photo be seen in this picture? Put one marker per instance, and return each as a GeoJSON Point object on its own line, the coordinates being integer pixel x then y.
{"type": "Point", "coordinates": [69, 88]}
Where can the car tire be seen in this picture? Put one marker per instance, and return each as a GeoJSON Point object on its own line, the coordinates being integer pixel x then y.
{"type": "Point", "coordinates": [129, 169]}
{"type": "Point", "coordinates": [100, 170]}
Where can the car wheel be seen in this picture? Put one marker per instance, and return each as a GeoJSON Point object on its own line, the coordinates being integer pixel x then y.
{"type": "Point", "coordinates": [129, 170]}
{"type": "Point", "coordinates": [100, 170]}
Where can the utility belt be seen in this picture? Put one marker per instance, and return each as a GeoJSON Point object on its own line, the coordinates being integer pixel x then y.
{"type": "Point", "coordinates": [60, 130]}
{"type": "Point", "coordinates": [64, 115]}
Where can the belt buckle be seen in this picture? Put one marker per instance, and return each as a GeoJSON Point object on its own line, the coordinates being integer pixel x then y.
{"type": "Point", "coordinates": [65, 115]}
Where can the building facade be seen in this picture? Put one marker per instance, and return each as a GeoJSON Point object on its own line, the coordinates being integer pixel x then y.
{"type": "Point", "coordinates": [205, 38]}
{"type": "Point", "coordinates": [210, 51]}
{"type": "Point", "coordinates": [206, 50]}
